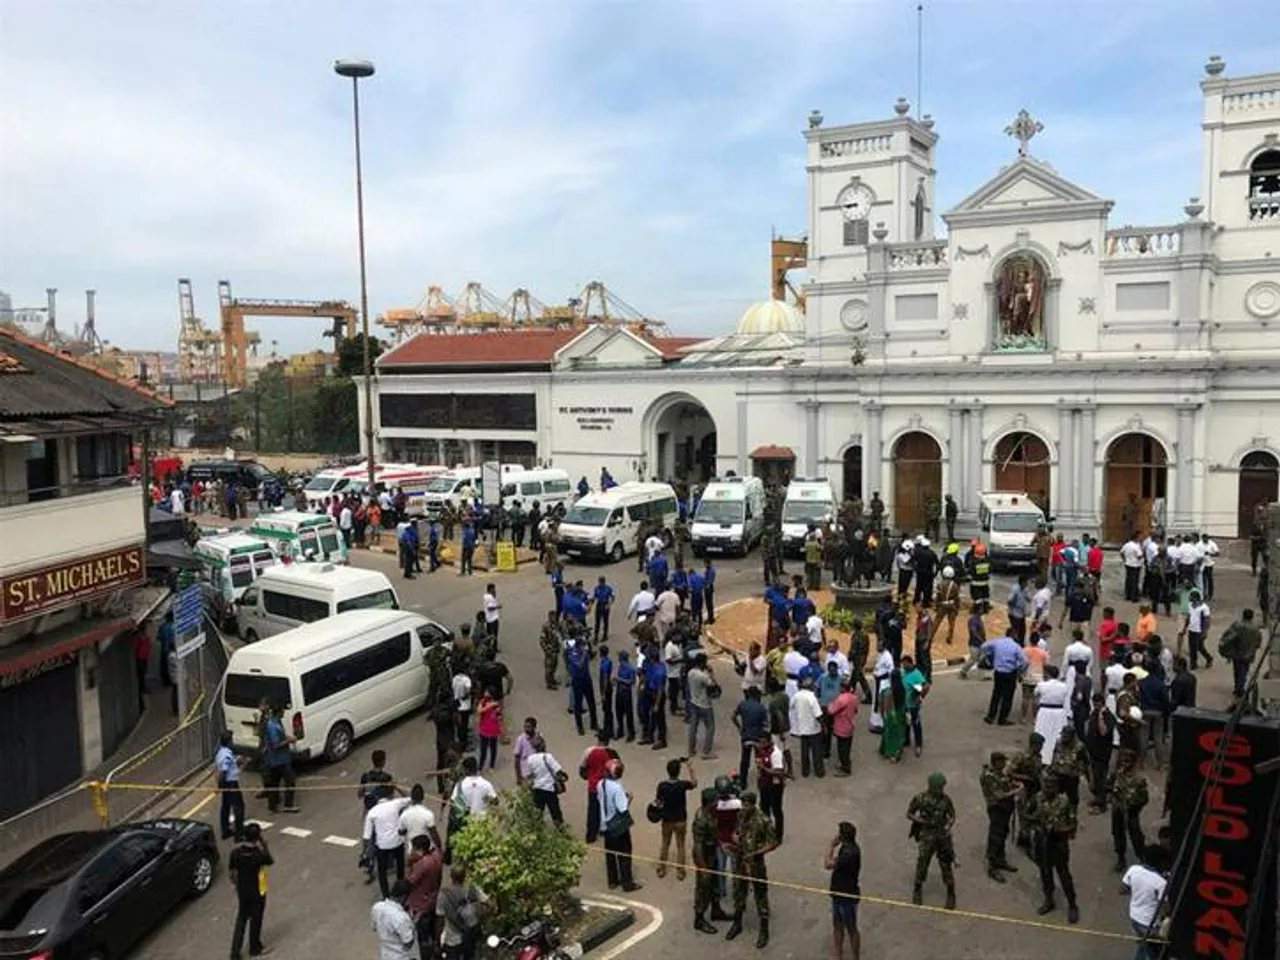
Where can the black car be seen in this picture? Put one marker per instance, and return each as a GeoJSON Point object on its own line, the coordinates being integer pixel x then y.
{"type": "Point", "coordinates": [246, 473]}
{"type": "Point", "coordinates": [92, 895]}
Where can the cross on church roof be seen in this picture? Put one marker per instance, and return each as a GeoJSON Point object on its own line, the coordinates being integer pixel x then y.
{"type": "Point", "coordinates": [1024, 127]}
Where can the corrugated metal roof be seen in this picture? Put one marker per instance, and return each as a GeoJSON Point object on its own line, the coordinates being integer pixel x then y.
{"type": "Point", "coordinates": [56, 386]}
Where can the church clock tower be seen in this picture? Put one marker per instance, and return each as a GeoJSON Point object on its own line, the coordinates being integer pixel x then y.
{"type": "Point", "coordinates": [867, 183]}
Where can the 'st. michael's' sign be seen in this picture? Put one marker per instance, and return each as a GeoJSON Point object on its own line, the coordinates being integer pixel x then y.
{"type": "Point", "coordinates": [31, 592]}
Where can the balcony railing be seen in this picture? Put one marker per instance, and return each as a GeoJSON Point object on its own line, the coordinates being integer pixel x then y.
{"type": "Point", "coordinates": [1264, 207]}
{"type": "Point", "coordinates": [1129, 242]}
{"type": "Point", "coordinates": [918, 256]}
{"type": "Point", "coordinates": [79, 487]}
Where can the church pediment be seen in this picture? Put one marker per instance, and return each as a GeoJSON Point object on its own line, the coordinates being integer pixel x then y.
{"type": "Point", "coordinates": [1025, 185]}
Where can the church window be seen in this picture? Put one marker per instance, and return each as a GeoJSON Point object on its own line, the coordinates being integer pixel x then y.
{"type": "Point", "coordinates": [918, 208]}
{"type": "Point", "coordinates": [1021, 287]}
{"type": "Point", "coordinates": [1264, 186]}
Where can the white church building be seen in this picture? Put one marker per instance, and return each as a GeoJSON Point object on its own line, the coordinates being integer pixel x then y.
{"type": "Point", "coordinates": [1033, 347]}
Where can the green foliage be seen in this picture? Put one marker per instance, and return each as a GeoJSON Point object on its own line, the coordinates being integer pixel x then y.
{"type": "Point", "coordinates": [839, 619]}
{"type": "Point", "coordinates": [519, 858]}
{"type": "Point", "coordinates": [351, 355]}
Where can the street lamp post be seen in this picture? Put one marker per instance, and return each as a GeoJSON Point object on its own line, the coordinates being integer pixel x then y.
{"type": "Point", "coordinates": [357, 70]}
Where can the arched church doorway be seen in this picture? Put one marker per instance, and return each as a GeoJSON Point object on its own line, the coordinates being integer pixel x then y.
{"type": "Point", "coordinates": [917, 476]}
{"type": "Point", "coordinates": [683, 446]}
{"type": "Point", "coordinates": [1022, 466]}
{"type": "Point", "coordinates": [1259, 480]}
{"type": "Point", "coordinates": [853, 473]}
{"type": "Point", "coordinates": [1135, 485]}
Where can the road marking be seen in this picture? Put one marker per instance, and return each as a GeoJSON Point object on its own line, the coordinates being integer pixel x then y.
{"type": "Point", "coordinates": [649, 929]}
{"type": "Point", "coordinates": [341, 841]}
{"type": "Point", "coordinates": [199, 806]}
{"type": "Point", "coordinates": [295, 832]}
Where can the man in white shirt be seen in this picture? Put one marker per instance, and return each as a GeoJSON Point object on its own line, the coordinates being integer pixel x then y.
{"type": "Point", "coordinates": [1078, 651]}
{"type": "Point", "coordinates": [177, 502]}
{"type": "Point", "coordinates": [642, 603]}
{"type": "Point", "coordinates": [652, 547]}
{"type": "Point", "coordinates": [346, 523]}
{"type": "Point", "coordinates": [382, 826]}
{"type": "Point", "coordinates": [461, 685]}
{"type": "Point", "coordinates": [753, 666]}
{"type": "Point", "coordinates": [834, 655]}
{"type": "Point", "coordinates": [806, 721]}
{"type": "Point", "coordinates": [474, 793]}
{"type": "Point", "coordinates": [814, 628]}
{"type": "Point", "coordinates": [397, 934]}
{"type": "Point", "coordinates": [792, 663]}
{"type": "Point", "coordinates": [1150, 549]}
{"type": "Point", "coordinates": [668, 605]}
{"type": "Point", "coordinates": [1132, 555]}
{"type": "Point", "coordinates": [417, 819]}
{"type": "Point", "coordinates": [1041, 601]}
{"type": "Point", "coordinates": [491, 608]}
{"type": "Point", "coordinates": [1145, 886]}
{"type": "Point", "coordinates": [1209, 553]}
{"type": "Point", "coordinates": [1197, 629]}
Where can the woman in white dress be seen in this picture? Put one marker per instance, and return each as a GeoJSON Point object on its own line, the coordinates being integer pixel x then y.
{"type": "Point", "coordinates": [1051, 710]}
{"type": "Point", "coordinates": [882, 671]}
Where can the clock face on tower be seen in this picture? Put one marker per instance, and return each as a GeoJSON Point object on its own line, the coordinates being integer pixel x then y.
{"type": "Point", "coordinates": [855, 201]}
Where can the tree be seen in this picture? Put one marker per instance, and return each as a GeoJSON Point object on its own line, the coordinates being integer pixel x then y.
{"type": "Point", "coordinates": [351, 355]}
{"type": "Point", "coordinates": [524, 862]}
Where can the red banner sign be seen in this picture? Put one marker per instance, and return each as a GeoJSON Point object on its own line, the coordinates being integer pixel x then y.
{"type": "Point", "coordinates": [1228, 872]}
{"type": "Point", "coordinates": [32, 592]}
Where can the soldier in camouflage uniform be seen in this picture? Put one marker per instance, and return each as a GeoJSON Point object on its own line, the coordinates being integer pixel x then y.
{"type": "Point", "coordinates": [706, 889]}
{"type": "Point", "coordinates": [932, 518]}
{"type": "Point", "coordinates": [1056, 828]}
{"type": "Point", "coordinates": [754, 838]}
{"type": "Point", "coordinates": [680, 537]}
{"type": "Point", "coordinates": [439, 661]}
{"type": "Point", "coordinates": [859, 649]}
{"type": "Point", "coordinates": [877, 513]}
{"type": "Point", "coordinates": [1129, 795]}
{"type": "Point", "coordinates": [932, 815]}
{"type": "Point", "coordinates": [551, 641]}
{"type": "Point", "coordinates": [1026, 768]}
{"type": "Point", "coordinates": [999, 790]}
{"type": "Point", "coordinates": [642, 534]}
{"type": "Point", "coordinates": [1070, 763]}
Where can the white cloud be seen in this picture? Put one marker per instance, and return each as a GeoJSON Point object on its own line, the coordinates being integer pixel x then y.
{"type": "Point", "coordinates": [653, 146]}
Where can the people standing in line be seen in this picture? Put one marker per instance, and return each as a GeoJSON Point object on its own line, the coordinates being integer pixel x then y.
{"type": "Point", "coordinates": [916, 688]}
{"type": "Point", "coordinates": [1129, 794]}
{"type": "Point", "coordinates": [247, 871]}
{"type": "Point", "coordinates": [397, 933]}
{"type": "Point", "coordinates": [624, 699]}
{"type": "Point", "coordinates": [615, 824]}
{"type": "Point", "coordinates": [226, 771]}
{"type": "Point", "coordinates": [1000, 791]}
{"type": "Point", "coordinates": [671, 797]}
{"type": "Point", "coordinates": [702, 684]}
{"type": "Point", "coordinates": [382, 832]}
{"type": "Point", "coordinates": [417, 820]}
{"type": "Point", "coordinates": [578, 660]}
{"type": "Point", "coordinates": [932, 816]}
{"type": "Point", "coordinates": [424, 872]}
{"type": "Point", "coordinates": [604, 673]}
{"type": "Point", "coordinates": [1145, 884]}
{"type": "Point", "coordinates": [376, 784]}
{"type": "Point", "coordinates": [844, 860]}
{"type": "Point", "coordinates": [1007, 661]}
{"type": "Point", "coordinates": [1056, 820]}
{"type": "Point", "coordinates": [592, 769]}
{"type": "Point", "coordinates": [1239, 645]}
{"type": "Point", "coordinates": [546, 779]}
{"type": "Point", "coordinates": [753, 840]}
{"type": "Point", "coordinates": [278, 757]}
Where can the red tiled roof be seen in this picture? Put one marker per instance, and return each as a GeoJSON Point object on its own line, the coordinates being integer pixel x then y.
{"type": "Point", "coordinates": [772, 452]}
{"type": "Point", "coordinates": [501, 348]}
{"type": "Point", "coordinates": [478, 349]}
{"type": "Point", "coordinates": [10, 364]}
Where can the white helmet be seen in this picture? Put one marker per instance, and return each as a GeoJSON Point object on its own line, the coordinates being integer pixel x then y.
{"type": "Point", "coordinates": [948, 573]}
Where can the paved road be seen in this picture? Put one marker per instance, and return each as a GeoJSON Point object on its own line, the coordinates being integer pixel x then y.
{"type": "Point", "coordinates": [318, 902]}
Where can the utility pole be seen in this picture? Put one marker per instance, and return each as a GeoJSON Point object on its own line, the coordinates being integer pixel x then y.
{"type": "Point", "coordinates": [257, 416]}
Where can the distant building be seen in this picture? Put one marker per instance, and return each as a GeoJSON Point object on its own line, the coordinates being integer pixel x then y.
{"type": "Point", "coordinates": [1035, 347]}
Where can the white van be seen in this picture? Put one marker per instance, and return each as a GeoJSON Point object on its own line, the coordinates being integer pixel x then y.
{"type": "Point", "coordinates": [1009, 523]}
{"type": "Point", "coordinates": [549, 487]}
{"type": "Point", "coordinates": [230, 562]}
{"type": "Point", "coordinates": [337, 679]}
{"type": "Point", "coordinates": [289, 596]}
{"type": "Point", "coordinates": [449, 487]}
{"type": "Point", "coordinates": [729, 517]}
{"type": "Point", "coordinates": [604, 524]}
{"type": "Point", "coordinates": [807, 501]}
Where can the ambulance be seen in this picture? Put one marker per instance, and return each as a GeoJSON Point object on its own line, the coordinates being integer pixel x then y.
{"type": "Point", "coordinates": [298, 536]}
{"type": "Point", "coordinates": [729, 517]}
{"type": "Point", "coordinates": [1009, 522]}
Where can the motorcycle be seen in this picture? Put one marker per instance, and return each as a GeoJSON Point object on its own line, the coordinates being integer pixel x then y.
{"type": "Point", "coordinates": [539, 940]}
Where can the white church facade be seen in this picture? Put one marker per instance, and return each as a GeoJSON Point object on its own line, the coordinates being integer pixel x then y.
{"type": "Point", "coordinates": [1035, 347]}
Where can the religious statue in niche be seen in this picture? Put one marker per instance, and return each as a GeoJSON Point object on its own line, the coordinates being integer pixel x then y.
{"type": "Point", "coordinates": [1020, 287]}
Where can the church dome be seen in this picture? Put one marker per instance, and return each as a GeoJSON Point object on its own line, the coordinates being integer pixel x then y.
{"type": "Point", "coordinates": [771, 316]}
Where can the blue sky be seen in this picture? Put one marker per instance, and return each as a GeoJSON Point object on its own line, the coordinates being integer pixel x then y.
{"type": "Point", "coordinates": [653, 145]}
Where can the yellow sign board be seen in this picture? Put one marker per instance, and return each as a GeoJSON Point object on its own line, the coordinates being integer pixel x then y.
{"type": "Point", "coordinates": [506, 557]}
